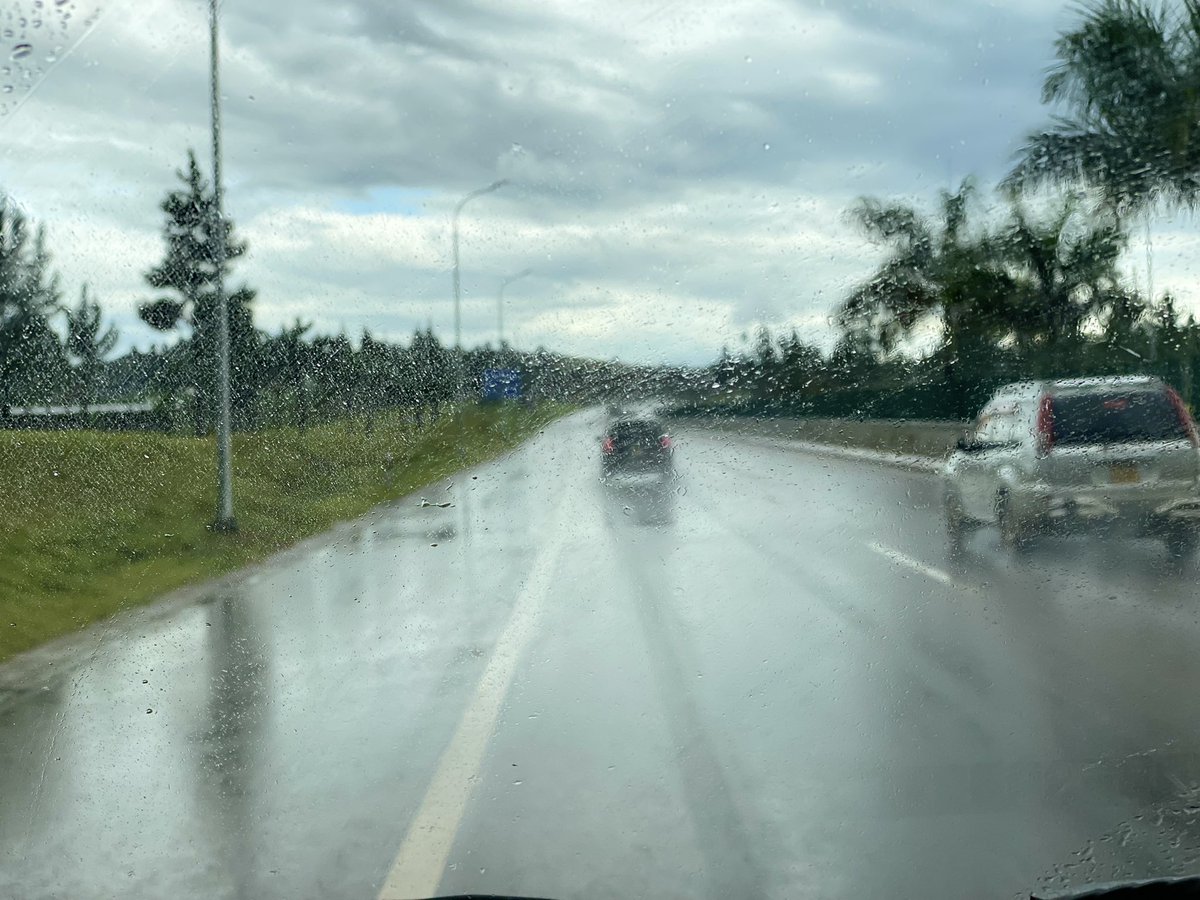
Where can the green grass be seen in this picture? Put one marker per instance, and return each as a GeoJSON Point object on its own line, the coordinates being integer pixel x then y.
{"type": "Point", "coordinates": [94, 522]}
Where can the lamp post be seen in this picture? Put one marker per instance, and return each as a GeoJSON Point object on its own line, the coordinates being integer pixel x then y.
{"type": "Point", "coordinates": [225, 519]}
{"type": "Point", "coordinates": [500, 304]}
{"type": "Point", "coordinates": [494, 186]}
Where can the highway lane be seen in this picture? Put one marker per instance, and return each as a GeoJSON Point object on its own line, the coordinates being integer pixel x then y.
{"type": "Point", "coordinates": [768, 681]}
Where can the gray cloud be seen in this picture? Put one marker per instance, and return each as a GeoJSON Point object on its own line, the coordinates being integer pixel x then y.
{"type": "Point", "coordinates": [678, 171]}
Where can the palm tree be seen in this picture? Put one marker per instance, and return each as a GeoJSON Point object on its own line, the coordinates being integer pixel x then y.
{"type": "Point", "coordinates": [901, 292]}
{"type": "Point", "coordinates": [1129, 78]}
{"type": "Point", "coordinates": [937, 267]}
{"type": "Point", "coordinates": [1063, 271]}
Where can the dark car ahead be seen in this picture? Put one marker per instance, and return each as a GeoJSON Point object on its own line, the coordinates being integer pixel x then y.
{"type": "Point", "coordinates": [636, 446]}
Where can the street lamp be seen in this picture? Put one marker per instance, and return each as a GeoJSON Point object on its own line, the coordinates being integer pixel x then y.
{"type": "Point", "coordinates": [500, 304]}
{"type": "Point", "coordinates": [225, 519]}
{"type": "Point", "coordinates": [494, 186]}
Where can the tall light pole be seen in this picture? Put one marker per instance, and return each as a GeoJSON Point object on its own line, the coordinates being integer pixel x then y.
{"type": "Point", "coordinates": [494, 186]}
{"type": "Point", "coordinates": [1150, 290]}
{"type": "Point", "coordinates": [225, 519]}
{"type": "Point", "coordinates": [500, 304]}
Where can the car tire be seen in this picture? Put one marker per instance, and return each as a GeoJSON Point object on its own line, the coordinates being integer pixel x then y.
{"type": "Point", "coordinates": [1182, 544]}
{"type": "Point", "coordinates": [1014, 534]}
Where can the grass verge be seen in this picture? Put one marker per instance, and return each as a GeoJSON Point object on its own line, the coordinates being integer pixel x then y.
{"type": "Point", "coordinates": [94, 522]}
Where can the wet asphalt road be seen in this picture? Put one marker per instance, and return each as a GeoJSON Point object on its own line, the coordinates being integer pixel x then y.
{"type": "Point", "coordinates": [767, 681]}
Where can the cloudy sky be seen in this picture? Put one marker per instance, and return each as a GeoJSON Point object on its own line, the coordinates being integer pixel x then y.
{"type": "Point", "coordinates": [678, 171]}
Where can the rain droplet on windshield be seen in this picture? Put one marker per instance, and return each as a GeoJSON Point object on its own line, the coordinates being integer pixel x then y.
{"type": "Point", "coordinates": [20, 51]}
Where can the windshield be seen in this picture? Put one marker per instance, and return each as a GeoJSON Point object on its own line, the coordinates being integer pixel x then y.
{"type": "Point", "coordinates": [598, 448]}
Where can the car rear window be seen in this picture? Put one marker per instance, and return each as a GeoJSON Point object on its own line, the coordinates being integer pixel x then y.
{"type": "Point", "coordinates": [1114, 417]}
{"type": "Point", "coordinates": [625, 432]}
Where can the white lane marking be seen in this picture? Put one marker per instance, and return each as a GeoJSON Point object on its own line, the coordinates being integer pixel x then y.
{"type": "Point", "coordinates": [915, 564]}
{"type": "Point", "coordinates": [421, 860]}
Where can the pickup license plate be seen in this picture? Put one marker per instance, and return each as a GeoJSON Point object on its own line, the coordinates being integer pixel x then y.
{"type": "Point", "coordinates": [1124, 475]}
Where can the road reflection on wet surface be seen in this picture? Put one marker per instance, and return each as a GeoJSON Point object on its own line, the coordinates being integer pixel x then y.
{"type": "Point", "coordinates": [761, 677]}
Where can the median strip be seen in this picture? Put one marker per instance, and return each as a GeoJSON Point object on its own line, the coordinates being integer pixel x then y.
{"type": "Point", "coordinates": [925, 464]}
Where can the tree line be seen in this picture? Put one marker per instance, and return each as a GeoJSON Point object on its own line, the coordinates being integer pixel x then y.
{"type": "Point", "coordinates": [55, 352]}
{"type": "Point", "coordinates": [49, 350]}
{"type": "Point", "coordinates": [967, 298]}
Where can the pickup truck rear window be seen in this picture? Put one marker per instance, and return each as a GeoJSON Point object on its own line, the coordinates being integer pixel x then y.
{"type": "Point", "coordinates": [1115, 418]}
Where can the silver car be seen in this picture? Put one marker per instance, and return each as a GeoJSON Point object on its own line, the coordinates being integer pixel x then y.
{"type": "Point", "coordinates": [1106, 454]}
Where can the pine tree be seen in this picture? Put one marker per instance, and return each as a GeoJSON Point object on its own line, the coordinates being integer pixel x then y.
{"type": "Point", "coordinates": [32, 362]}
{"type": "Point", "coordinates": [89, 341]}
{"type": "Point", "coordinates": [187, 272]}
{"type": "Point", "coordinates": [433, 367]}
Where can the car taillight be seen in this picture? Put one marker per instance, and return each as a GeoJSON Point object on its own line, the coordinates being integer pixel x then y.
{"type": "Point", "coordinates": [1185, 418]}
{"type": "Point", "coordinates": [1045, 426]}
{"type": "Point", "coordinates": [665, 442]}
{"type": "Point", "coordinates": [607, 446]}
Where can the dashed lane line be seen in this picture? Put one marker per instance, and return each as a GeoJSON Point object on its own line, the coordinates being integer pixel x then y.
{"type": "Point", "coordinates": [908, 562]}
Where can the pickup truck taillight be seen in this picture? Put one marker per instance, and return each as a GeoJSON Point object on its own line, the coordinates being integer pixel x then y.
{"type": "Point", "coordinates": [1045, 426]}
{"type": "Point", "coordinates": [1185, 418]}
{"type": "Point", "coordinates": [665, 442]}
{"type": "Point", "coordinates": [607, 446]}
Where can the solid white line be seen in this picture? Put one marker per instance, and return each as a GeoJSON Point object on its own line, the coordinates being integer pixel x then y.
{"type": "Point", "coordinates": [422, 857]}
{"type": "Point", "coordinates": [915, 564]}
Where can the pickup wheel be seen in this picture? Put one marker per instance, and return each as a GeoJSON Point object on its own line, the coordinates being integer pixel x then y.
{"type": "Point", "coordinates": [1013, 534]}
{"type": "Point", "coordinates": [1182, 544]}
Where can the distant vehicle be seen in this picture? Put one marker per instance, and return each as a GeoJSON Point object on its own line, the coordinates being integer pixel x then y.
{"type": "Point", "coordinates": [501, 384]}
{"type": "Point", "coordinates": [636, 445]}
{"type": "Point", "coordinates": [1107, 454]}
